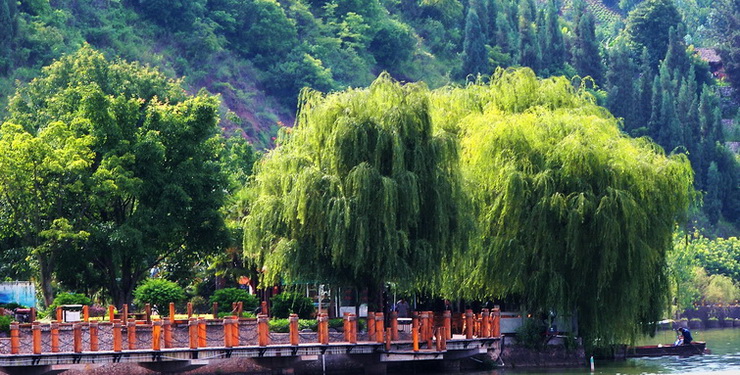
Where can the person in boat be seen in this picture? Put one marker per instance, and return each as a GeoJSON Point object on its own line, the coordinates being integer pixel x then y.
{"type": "Point", "coordinates": [679, 339]}
{"type": "Point", "coordinates": [687, 339]}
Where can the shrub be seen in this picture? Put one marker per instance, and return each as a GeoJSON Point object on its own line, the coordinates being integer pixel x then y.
{"type": "Point", "coordinates": [283, 325]}
{"type": "Point", "coordinates": [159, 292]}
{"type": "Point", "coordinates": [4, 323]}
{"type": "Point", "coordinates": [288, 303]}
{"type": "Point", "coordinates": [529, 335]}
{"type": "Point", "coordinates": [225, 297]}
{"type": "Point", "coordinates": [67, 299]}
{"type": "Point", "coordinates": [245, 314]}
{"type": "Point", "coordinates": [11, 305]}
{"type": "Point", "coordinates": [200, 305]}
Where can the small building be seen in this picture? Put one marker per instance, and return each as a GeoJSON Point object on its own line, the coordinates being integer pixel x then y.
{"type": "Point", "coordinates": [711, 56]}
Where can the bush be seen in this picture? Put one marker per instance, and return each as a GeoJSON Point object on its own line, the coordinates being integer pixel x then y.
{"type": "Point", "coordinates": [283, 325]}
{"type": "Point", "coordinates": [288, 303]}
{"type": "Point", "coordinates": [529, 335]}
{"type": "Point", "coordinates": [67, 299]}
{"type": "Point", "coordinates": [4, 323]}
{"type": "Point", "coordinates": [245, 314]}
{"type": "Point", "coordinates": [11, 305]}
{"type": "Point", "coordinates": [159, 292]}
{"type": "Point", "coordinates": [227, 296]}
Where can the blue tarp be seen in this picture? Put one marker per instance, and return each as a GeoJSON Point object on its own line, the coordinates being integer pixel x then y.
{"type": "Point", "coordinates": [21, 292]}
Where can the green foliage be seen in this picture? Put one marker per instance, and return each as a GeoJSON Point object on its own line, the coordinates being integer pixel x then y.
{"type": "Point", "coordinates": [287, 303]}
{"type": "Point", "coordinates": [159, 292]}
{"type": "Point", "coordinates": [475, 55]}
{"type": "Point", "coordinates": [283, 325]}
{"type": "Point", "coordinates": [649, 24]}
{"type": "Point", "coordinates": [562, 201]}
{"type": "Point", "coordinates": [529, 335]}
{"type": "Point", "coordinates": [5, 323]}
{"type": "Point", "coordinates": [113, 172]}
{"type": "Point", "coordinates": [227, 296]}
{"type": "Point", "coordinates": [68, 299]}
{"type": "Point", "coordinates": [360, 191]}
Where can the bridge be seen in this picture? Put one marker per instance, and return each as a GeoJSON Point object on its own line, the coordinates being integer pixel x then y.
{"type": "Point", "coordinates": [173, 346]}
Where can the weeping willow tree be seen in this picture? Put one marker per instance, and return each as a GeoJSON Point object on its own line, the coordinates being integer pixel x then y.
{"type": "Point", "coordinates": [572, 214]}
{"type": "Point", "coordinates": [360, 192]}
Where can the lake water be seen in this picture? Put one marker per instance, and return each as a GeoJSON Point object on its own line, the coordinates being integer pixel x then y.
{"type": "Point", "coordinates": [724, 359]}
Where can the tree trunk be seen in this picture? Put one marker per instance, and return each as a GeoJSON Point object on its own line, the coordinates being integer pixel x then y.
{"type": "Point", "coordinates": [46, 268]}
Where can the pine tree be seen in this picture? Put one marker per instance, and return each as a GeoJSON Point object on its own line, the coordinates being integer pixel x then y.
{"type": "Point", "coordinates": [644, 95]}
{"type": "Point", "coordinates": [676, 57]}
{"type": "Point", "coordinates": [551, 42]}
{"type": "Point", "coordinates": [620, 86]}
{"type": "Point", "coordinates": [475, 55]}
{"type": "Point", "coordinates": [712, 200]}
{"type": "Point", "coordinates": [586, 57]}
{"type": "Point", "coordinates": [528, 51]}
{"type": "Point", "coordinates": [8, 28]}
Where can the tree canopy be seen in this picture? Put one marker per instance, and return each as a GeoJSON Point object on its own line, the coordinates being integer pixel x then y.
{"type": "Point", "coordinates": [361, 191]}
{"type": "Point", "coordinates": [113, 171]}
{"type": "Point", "coordinates": [571, 214]}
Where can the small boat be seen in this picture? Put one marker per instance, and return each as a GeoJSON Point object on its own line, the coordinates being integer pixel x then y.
{"type": "Point", "coordinates": [660, 350]}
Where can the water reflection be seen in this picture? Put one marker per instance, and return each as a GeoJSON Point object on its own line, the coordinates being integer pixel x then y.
{"type": "Point", "coordinates": [724, 359]}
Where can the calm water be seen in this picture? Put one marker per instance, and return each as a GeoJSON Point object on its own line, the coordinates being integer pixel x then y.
{"type": "Point", "coordinates": [724, 360]}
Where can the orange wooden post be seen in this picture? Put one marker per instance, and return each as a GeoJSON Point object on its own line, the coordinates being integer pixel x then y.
{"type": "Point", "coordinates": [36, 331]}
{"type": "Point", "coordinates": [485, 330]}
{"type": "Point", "coordinates": [227, 332]}
{"type": "Point", "coordinates": [55, 337]}
{"type": "Point", "coordinates": [15, 339]}
{"type": "Point", "coordinates": [94, 337]}
{"type": "Point", "coordinates": [415, 332]}
{"type": "Point", "coordinates": [438, 339]}
{"type": "Point", "coordinates": [156, 334]}
{"type": "Point", "coordinates": [263, 330]}
{"type": "Point", "coordinates": [235, 331]}
{"type": "Point", "coordinates": [167, 327]}
{"type": "Point", "coordinates": [86, 313]}
{"type": "Point", "coordinates": [33, 315]}
{"type": "Point", "coordinates": [124, 317]}
{"type": "Point", "coordinates": [59, 313]}
{"type": "Point", "coordinates": [388, 337]}
{"type": "Point", "coordinates": [193, 333]}
{"type": "Point", "coordinates": [496, 322]}
{"type": "Point", "coordinates": [428, 328]}
{"type": "Point", "coordinates": [111, 312]}
{"type": "Point", "coordinates": [263, 306]}
{"type": "Point", "coordinates": [131, 330]}
{"type": "Point", "coordinates": [239, 308]}
{"type": "Point", "coordinates": [190, 310]}
{"type": "Point", "coordinates": [353, 328]}
{"type": "Point", "coordinates": [345, 325]}
{"type": "Point", "coordinates": [324, 324]}
{"type": "Point", "coordinates": [172, 312]}
{"type": "Point", "coordinates": [214, 310]}
{"type": "Point", "coordinates": [2, 311]}
{"type": "Point", "coordinates": [468, 324]}
{"type": "Point", "coordinates": [77, 334]}
{"type": "Point", "coordinates": [443, 335]}
{"type": "Point", "coordinates": [202, 333]}
{"type": "Point", "coordinates": [379, 327]}
{"type": "Point", "coordinates": [447, 315]}
{"type": "Point", "coordinates": [370, 326]}
{"type": "Point", "coordinates": [293, 319]}
{"type": "Point", "coordinates": [394, 326]}
{"type": "Point", "coordinates": [117, 337]}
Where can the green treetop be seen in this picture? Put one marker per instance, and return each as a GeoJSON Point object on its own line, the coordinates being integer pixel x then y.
{"type": "Point", "coordinates": [361, 191]}
{"type": "Point", "coordinates": [572, 214]}
{"type": "Point", "coordinates": [114, 171]}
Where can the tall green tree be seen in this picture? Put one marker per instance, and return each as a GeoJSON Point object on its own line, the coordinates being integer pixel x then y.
{"type": "Point", "coordinates": [142, 187]}
{"type": "Point", "coordinates": [528, 53]}
{"type": "Point", "coordinates": [475, 56]}
{"type": "Point", "coordinates": [648, 25]}
{"type": "Point", "coordinates": [586, 57]}
{"type": "Point", "coordinates": [621, 86]}
{"type": "Point", "coordinates": [362, 191]}
{"type": "Point", "coordinates": [572, 214]}
{"type": "Point", "coordinates": [551, 42]}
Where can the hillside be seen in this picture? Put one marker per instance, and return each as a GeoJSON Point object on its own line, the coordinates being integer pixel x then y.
{"type": "Point", "coordinates": [259, 54]}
